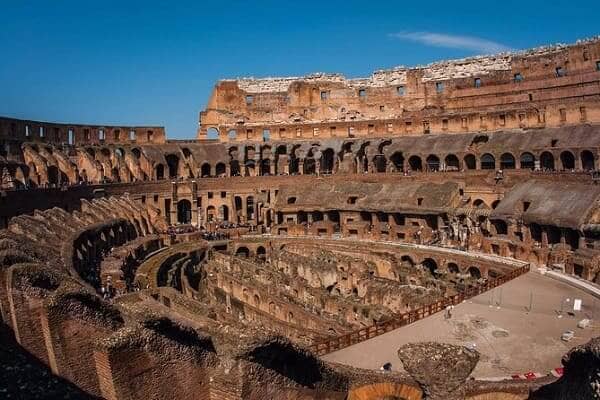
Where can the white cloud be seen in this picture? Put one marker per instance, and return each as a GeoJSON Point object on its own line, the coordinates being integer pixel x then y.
{"type": "Point", "coordinates": [452, 41]}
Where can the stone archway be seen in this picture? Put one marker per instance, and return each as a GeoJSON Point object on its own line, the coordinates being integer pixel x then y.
{"type": "Point", "coordinates": [385, 390]}
{"type": "Point", "coordinates": [184, 212]}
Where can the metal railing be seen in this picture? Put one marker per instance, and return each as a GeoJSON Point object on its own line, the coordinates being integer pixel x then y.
{"type": "Point", "coordinates": [360, 335]}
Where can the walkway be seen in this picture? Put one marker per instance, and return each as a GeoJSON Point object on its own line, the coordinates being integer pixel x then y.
{"type": "Point", "coordinates": [510, 337]}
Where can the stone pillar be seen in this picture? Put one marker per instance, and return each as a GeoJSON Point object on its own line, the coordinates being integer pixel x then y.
{"type": "Point", "coordinates": [544, 237]}
{"type": "Point", "coordinates": [174, 202]}
{"type": "Point", "coordinates": [194, 203]}
{"type": "Point", "coordinates": [272, 165]}
{"type": "Point", "coordinates": [244, 209]}
{"type": "Point", "coordinates": [578, 161]}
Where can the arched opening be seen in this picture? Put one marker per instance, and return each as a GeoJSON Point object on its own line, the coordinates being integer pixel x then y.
{"type": "Point", "coordinates": [234, 166]}
{"type": "Point", "coordinates": [433, 163]}
{"type": "Point", "coordinates": [398, 160]}
{"type": "Point", "coordinates": [327, 161]}
{"type": "Point", "coordinates": [380, 163]}
{"type": "Point", "coordinates": [527, 161]}
{"type": "Point", "coordinates": [261, 253]}
{"type": "Point", "coordinates": [430, 264]}
{"type": "Point", "coordinates": [53, 175]}
{"type": "Point", "coordinates": [451, 162]}
{"type": "Point", "coordinates": [536, 232]}
{"type": "Point", "coordinates": [242, 252]}
{"type": "Point", "coordinates": [265, 167]}
{"type": "Point", "coordinates": [474, 272]}
{"type": "Point", "coordinates": [587, 160]}
{"type": "Point", "coordinates": [317, 216]}
{"type": "Point", "coordinates": [173, 163]}
{"type": "Point", "coordinates": [500, 226]}
{"type": "Point", "coordinates": [223, 213]}
{"type": "Point", "coordinates": [220, 169]}
{"type": "Point", "coordinates": [507, 161]}
{"type": "Point", "coordinates": [184, 211]}
{"type": "Point", "coordinates": [547, 161]}
{"type": "Point", "coordinates": [567, 159]}
{"type": "Point", "coordinates": [210, 213]}
{"type": "Point", "coordinates": [334, 216]}
{"type": "Point", "coordinates": [309, 166]}
{"type": "Point", "coordinates": [553, 234]}
{"type": "Point", "coordinates": [488, 161]}
{"type": "Point", "coordinates": [250, 207]}
{"type": "Point", "coordinates": [205, 170]}
{"type": "Point", "coordinates": [470, 161]}
{"type": "Point", "coordinates": [212, 133]}
{"type": "Point", "coordinates": [250, 167]}
{"type": "Point", "coordinates": [407, 261]}
{"type": "Point", "coordinates": [294, 166]}
{"type": "Point", "coordinates": [415, 163]}
{"type": "Point", "coordinates": [495, 204]}
{"type": "Point", "coordinates": [160, 172]}
{"type": "Point", "coordinates": [302, 217]}
{"type": "Point", "coordinates": [478, 203]}
{"type": "Point", "coordinates": [572, 238]}
{"type": "Point", "coordinates": [453, 268]}
{"type": "Point", "coordinates": [136, 153]}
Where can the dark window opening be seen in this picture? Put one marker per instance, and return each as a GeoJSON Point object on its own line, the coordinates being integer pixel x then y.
{"type": "Point", "coordinates": [324, 95]}
{"type": "Point", "coordinates": [401, 90]}
{"type": "Point", "coordinates": [249, 99]}
{"type": "Point", "coordinates": [439, 87]}
{"type": "Point", "coordinates": [518, 77]}
{"type": "Point", "coordinates": [426, 128]}
{"type": "Point", "coordinates": [362, 93]}
{"type": "Point", "coordinates": [477, 82]}
{"type": "Point", "coordinates": [488, 162]}
{"type": "Point", "coordinates": [501, 227]}
{"type": "Point", "coordinates": [563, 114]}
{"type": "Point", "coordinates": [560, 72]}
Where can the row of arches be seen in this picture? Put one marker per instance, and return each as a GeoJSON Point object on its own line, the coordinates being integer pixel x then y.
{"type": "Point", "coordinates": [566, 160]}
{"type": "Point", "coordinates": [326, 164]}
{"type": "Point", "coordinates": [434, 268]}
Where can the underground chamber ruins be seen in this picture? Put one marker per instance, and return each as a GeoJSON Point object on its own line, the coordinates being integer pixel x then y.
{"type": "Point", "coordinates": [310, 215]}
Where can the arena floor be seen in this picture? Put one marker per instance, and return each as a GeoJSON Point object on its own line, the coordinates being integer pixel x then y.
{"type": "Point", "coordinates": [510, 338]}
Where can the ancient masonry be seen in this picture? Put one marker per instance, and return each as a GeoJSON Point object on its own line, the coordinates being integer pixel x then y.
{"type": "Point", "coordinates": [310, 214]}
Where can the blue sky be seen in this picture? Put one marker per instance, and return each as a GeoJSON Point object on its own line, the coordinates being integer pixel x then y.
{"type": "Point", "coordinates": [155, 62]}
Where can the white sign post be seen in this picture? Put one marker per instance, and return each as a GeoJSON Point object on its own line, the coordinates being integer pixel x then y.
{"type": "Point", "coordinates": [577, 305]}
